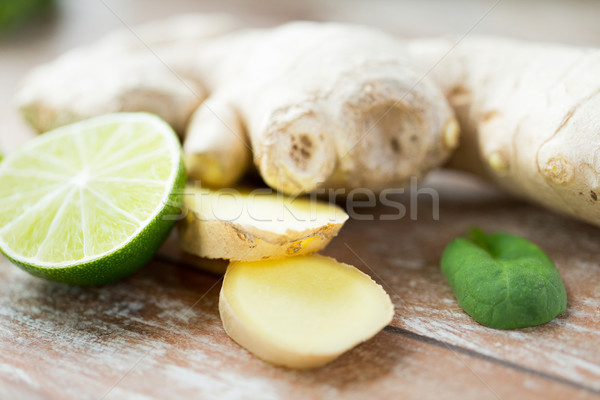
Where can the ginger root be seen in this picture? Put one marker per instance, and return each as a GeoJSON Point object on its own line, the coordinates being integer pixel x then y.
{"type": "Point", "coordinates": [301, 312]}
{"type": "Point", "coordinates": [322, 105]}
{"type": "Point", "coordinates": [529, 116]}
{"type": "Point", "coordinates": [216, 151]}
{"type": "Point", "coordinates": [330, 105]}
{"type": "Point", "coordinates": [124, 72]}
{"type": "Point", "coordinates": [255, 225]}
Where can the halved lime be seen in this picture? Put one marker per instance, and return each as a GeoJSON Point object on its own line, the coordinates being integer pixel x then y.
{"type": "Point", "coordinates": [91, 202]}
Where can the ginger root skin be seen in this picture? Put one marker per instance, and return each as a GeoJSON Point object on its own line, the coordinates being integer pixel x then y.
{"type": "Point", "coordinates": [529, 114]}
{"type": "Point", "coordinates": [322, 105]}
{"type": "Point", "coordinates": [330, 105]}
{"type": "Point", "coordinates": [216, 150]}
{"type": "Point", "coordinates": [255, 226]}
{"type": "Point", "coordinates": [147, 71]}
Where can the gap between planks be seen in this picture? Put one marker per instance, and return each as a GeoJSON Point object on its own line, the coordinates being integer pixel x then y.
{"type": "Point", "coordinates": [432, 341]}
{"type": "Point", "coordinates": [480, 356]}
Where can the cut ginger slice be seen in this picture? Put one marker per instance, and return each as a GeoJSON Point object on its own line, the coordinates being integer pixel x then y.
{"type": "Point", "coordinates": [301, 312]}
{"type": "Point", "coordinates": [252, 226]}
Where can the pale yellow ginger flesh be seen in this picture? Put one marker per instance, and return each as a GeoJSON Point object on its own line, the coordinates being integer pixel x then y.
{"type": "Point", "coordinates": [255, 225]}
{"type": "Point", "coordinates": [301, 312]}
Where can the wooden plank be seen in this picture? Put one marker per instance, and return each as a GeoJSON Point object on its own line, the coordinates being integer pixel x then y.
{"type": "Point", "coordinates": [407, 264]}
{"type": "Point", "coordinates": [404, 256]}
{"type": "Point", "coordinates": [157, 334]}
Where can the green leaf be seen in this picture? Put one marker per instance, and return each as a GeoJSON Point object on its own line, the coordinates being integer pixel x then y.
{"type": "Point", "coordinates": [15, 12]}
{"type": "Point", "coordinates": [503, 281]}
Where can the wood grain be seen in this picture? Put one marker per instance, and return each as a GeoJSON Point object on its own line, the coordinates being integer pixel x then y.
{"type": "Point", "coordinates": [157, 334]}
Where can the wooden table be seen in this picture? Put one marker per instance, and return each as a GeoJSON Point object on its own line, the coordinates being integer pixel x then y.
{"type": "Point", "coordinates": [157, 333]}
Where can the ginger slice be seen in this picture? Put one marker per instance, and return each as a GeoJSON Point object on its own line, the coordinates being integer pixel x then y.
{"type": "Point", "coordinates": [253, 226]}
{"type": "Point", "coordinates": [301, 312]}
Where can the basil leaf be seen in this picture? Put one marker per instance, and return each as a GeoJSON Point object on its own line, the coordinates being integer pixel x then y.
{"type": "Point", "coordinates": [503, 281]}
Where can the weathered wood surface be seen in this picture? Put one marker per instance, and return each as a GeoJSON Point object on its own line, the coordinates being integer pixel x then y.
{"type": "Point", "coordinates": [157, 334]}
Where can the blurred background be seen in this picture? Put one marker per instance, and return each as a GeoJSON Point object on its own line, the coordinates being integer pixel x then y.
{"type": "Point", "coordinates": [37, 31]}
